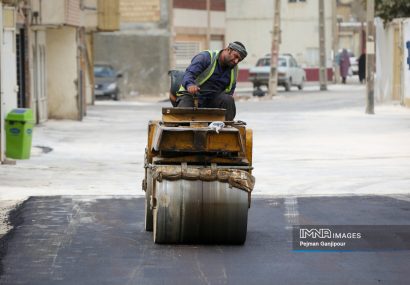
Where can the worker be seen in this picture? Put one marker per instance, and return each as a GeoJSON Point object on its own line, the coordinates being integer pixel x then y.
{"type": "Point", "coordinates": [212, 77]}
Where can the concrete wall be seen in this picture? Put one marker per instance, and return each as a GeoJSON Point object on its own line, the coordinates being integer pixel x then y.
{"type": "Point", "coordinates": [62, 73]}
{"type": "Point", "coordinates": [90, 16]}
{"type": "Point", "coordinates": [52, 11]}
{"type": "Point", "coordinates": [189, 18]}
{"type": "Point", "coordinates": [383, 81]}
{"type": "Point", "coordinates": [392, 78]}
{"type": "Point", "coordinates": [134, 11]}
{"type": "Point", "coordinates": [406, 61]}
{"type": "Point", "coordinates": [8, 77]}
{"type": "Point", "coordinates": [143, 58]}
{"type": "Point", "coordinates": [252, 23]}
{"type": "Point", "coordinates": [8, 70]}
{"type": "Point", "coordinates": [141, 49]}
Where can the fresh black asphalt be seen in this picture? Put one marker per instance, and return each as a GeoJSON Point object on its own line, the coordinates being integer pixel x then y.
{"type": "Point", "coordinates": [91, 240]}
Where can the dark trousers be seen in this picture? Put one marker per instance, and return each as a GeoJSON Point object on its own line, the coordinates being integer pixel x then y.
{"type": "Point", "coordinates": [222, 100]}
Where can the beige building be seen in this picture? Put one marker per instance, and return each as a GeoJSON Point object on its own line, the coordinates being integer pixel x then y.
{"type": "Point", "coordinates": [140, 50]}
{"type": "Point", "coordinates": [392, 78]}
{"type": "Point", "coordinates": [57, 40]}
{"type": "Point", "coordinates": [351, 26]}
{"type": "Point", "coordinates": [8, 79]}
{"type": "Point", "coordinates": [46, 55]}
{"type": "Point", "coordinates": [252, 23]}
{"type": "Point", "coordinates": [190, 28]}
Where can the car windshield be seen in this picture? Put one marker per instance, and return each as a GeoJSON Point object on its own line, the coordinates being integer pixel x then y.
{"type": "Point", "coordinates": [266, 62]}
{"type": "Point", "coordinates": [103, 71]}
{"type": "Point", "coordinates": [281, 62]}
{"type": "Point", "coordinates": [263, 62]}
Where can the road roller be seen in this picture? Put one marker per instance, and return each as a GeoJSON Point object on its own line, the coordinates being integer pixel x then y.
{"type": "Point", "coordinates": [198, 177]}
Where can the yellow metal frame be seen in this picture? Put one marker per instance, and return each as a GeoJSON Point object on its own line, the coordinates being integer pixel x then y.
{"type": "Point", "coordinates": [191, 141]}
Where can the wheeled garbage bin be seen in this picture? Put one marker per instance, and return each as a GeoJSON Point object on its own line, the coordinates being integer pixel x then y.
{"type": "Point", "coordinates": [19, 131]}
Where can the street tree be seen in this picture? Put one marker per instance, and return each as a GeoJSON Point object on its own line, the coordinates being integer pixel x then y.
{"type": "Point", "coordinates": [391, 9]}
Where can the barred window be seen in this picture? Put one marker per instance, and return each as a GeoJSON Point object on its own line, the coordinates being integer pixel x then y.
{"type": "Point", "coordinates": [184, 52]}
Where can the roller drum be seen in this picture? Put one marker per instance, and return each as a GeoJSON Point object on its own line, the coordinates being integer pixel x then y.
{"type": "Point", "coordinates": [194, 211]}
{"type": "Point", "coordinates": [148, 209]}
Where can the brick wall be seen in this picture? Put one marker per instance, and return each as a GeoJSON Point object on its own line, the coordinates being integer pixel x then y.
{"type": "Point", "coordinates": [137, 11]}
{"type": "Point", "coordinates": [216, 5]}
{"type": "Point", "coordinates": [73, 12]}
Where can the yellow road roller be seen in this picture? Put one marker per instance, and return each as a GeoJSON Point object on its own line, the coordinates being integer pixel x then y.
{"type": "Point", "coordinates": [198, 177]}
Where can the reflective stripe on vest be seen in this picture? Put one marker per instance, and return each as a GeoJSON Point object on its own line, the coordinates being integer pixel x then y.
{"type": "Point", "coordinates": [207, 73]}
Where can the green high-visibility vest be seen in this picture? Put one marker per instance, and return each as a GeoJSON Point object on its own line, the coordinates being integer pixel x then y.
{"type": "Point", "coordinates": [207, 73]}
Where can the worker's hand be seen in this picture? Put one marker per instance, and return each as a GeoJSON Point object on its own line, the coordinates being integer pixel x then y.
{"type": "Point", "coordinates": [193, 89]}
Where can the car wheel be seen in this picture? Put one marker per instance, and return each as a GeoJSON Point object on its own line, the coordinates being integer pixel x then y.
{"type": "Point", "coordinates": [115, 96]}
{"type": "Point", "coordinates": [288, 85]}
{"type": "Point", "coordinates": [258, 92]}
{"type": "Point", "coordinates": [300, 86]}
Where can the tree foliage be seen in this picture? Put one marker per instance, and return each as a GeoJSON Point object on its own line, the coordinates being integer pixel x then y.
{"type": "Point", "coordinates": [391, 9]}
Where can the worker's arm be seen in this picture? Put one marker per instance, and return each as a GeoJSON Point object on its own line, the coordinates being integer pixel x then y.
{"type": "Point", "coordinates": [198, 64]}
{"type": "Point", "coordinates": [232, 89]}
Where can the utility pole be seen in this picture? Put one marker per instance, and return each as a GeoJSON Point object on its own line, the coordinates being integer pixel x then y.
{"type": "Point", "coordinates": [171, 34]}
{"type": "Point", "coordinates": [273, 75]}
{"type": "Point", "coordinates": [322, 47]}
{"type": "Point", "coordinates": [27, 51]}
{"type": "Point", "coordinates": [370, 57]}
{"type": "Point", "coordinates": [2, 104]}
{"type": "Point", "coordinates": [335, 41]}
{"type": "Point", "coordinates": [208, 27]}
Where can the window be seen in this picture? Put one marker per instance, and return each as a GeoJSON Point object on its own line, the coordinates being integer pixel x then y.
{"type": "Point", "coordinates": [103, 71]}
{"type": "Point", "coordinates": [184, 52]}
{"type": "Point", "coordinates": [263, 62]}
{"type": "Point", "coordinates": [293, 62]}
{"type": "Point", "coordinates": [266, 62]}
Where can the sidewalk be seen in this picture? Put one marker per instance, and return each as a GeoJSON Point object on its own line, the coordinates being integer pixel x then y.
{"type": "Point", "coordinates": [245, 88]}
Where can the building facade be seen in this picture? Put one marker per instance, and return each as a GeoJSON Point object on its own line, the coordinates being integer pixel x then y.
{"type": "Point", "coordinates": [8, 73]}
{"type": "Point", "coordinates": [46, 56]}
{"type": "Point", "coordinates": [392, 78]}
{"type": "Point", "coordinates": [252, 23]}
{"type": "Point", "coordinates": [190, 29]}
{"type": "Point", "coordinates": [141, 49]}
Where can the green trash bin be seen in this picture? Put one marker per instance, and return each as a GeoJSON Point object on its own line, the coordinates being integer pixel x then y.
{"type": "Point", "coordinates": [19, 131]}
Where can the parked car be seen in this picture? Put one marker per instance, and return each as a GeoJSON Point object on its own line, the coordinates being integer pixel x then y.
{"type": "Point", "coordinates": [106, 81]}
{"type": "Point", "coordinates": [289, 72]}
{"type": "Point", "coordinates": [354, 66]}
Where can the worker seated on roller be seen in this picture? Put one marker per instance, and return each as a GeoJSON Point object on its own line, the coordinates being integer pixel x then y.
{"type": "Point", "coordinates": [212, 77]}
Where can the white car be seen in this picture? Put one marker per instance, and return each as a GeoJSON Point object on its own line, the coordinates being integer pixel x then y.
{"type": "Point", "coordinates": [354, 66]}
{"type": "Point", "coordinates": [289, 72]}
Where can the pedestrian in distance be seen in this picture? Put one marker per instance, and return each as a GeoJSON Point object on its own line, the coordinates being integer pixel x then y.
{"type": "Point", "coordinates": [362, 67]}
{"type": "Point", "coordinates": [344, 64]}
{"type": "Point", "coordinates": [212, 77]}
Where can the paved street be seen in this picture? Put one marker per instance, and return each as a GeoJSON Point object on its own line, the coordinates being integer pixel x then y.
{"type": "Point", "coordinates": [318, 159]}
{"type": "Point", "coordinates": [66, 240]}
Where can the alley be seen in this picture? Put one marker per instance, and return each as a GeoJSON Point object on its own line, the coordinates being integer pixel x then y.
{"type": "Point", "coordinates": [84, 221]}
